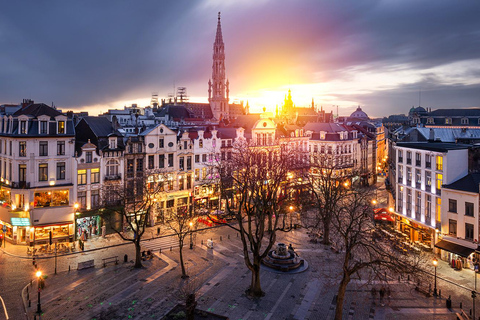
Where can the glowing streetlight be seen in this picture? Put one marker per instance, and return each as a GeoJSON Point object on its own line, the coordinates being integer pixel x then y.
{"type": "Point", "coordinates": [39, 306]}
{"type": "Point", "coordinates": [435, 262]}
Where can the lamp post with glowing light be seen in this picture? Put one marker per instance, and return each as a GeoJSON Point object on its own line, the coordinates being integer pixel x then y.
{"type": "Point", "coordinates": [39, 306]}
{"type": "Point", "coordinates": [374, 202]}
{"type": "Point", "coordinates": [435, 262]}
{"type": "Point", "coordinates": [191, 234]}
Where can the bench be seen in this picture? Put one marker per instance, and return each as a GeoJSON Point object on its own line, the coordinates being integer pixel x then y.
{"type": "Point", "coordinates": [86, 264]}
{"type": "Point", "coordinates": [110, 259]}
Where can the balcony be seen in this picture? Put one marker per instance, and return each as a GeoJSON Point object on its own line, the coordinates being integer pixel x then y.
{"type": "Point", "coordinates": [113, 177]}
{"type": "Point", "coordinates": [21, 185]}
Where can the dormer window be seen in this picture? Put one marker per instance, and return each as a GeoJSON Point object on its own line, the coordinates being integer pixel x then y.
{"type": "Point", "coordinates": [200, 143]}
{"type": "Point", "coordinates": [43, 127]}
{"type": "Point", "coordinates": [88, 157]}
{"type": "Point", "coordinates": [448, 120]}
{"type": "Point", "coordinates": [61, 127]}
{"type": "Point", "coordinates": [430, 121]}
{"type": "Point", "coordinates": [322, 135]}
{"type": "Point", "coordinates": [112, 143]}
{"type": "Point", "coordinates": [23, 127]}
{"type": "Point", "coordinates": [464, 120]}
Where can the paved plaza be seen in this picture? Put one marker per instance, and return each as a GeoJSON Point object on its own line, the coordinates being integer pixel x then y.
{"type": "Point", "coordinates": [220, 278]}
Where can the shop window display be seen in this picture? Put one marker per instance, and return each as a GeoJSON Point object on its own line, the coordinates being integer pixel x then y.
{"type": "Point", "coordinates": [52, 198]}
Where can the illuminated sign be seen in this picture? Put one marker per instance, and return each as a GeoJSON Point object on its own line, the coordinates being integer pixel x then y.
{"type": "Point", "coordinates": [24, 222]}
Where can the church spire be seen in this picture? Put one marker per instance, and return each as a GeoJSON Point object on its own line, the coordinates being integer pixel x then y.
{"type": "Point", "coordinates": [218, 85]}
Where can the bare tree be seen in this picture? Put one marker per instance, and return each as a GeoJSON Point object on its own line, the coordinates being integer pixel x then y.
{"type": "Point", "coordinates": [328, 183]}
{"type": "Point", "coordinates": [254, 176]}
{"type": "Point", "coordinates": [181, 223]}
{"type": "Point", "coordinates": [127, 208]}
{"type": "Point", "coordinates": [353, 231]}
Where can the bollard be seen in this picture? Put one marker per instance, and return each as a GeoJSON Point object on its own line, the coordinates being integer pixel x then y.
{"type": "Point", "coordinates": [202, 242]}
{"type": "Point", "coordinates": [440, 293]}
{"type": "Point", "coordinates": [220, 238]}
{"type": "Point", "coordinates": [68, 268]}
{"type": "Point", "coordinates": [160, 251]}
{"type": "Point", "coordinates": [170, 248]}
{"type": "Point", "coordinates": [228, 236]}
{"type": "Point", "coordinates": [29, 303]}
{"type": "Point", "coordinates": [461, 305]}
{"type": "Point", "coordinates": [398, 278]}
{"type": "Point", "coordinates": [408, 277]}
{"type": "Point", "coordinates": [28, 295]}
{"type": "Point", "coordinates": [125, 258]}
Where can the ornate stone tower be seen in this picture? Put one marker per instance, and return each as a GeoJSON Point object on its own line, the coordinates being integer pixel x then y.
{"type": "Point", "coordinates": [218, 90]}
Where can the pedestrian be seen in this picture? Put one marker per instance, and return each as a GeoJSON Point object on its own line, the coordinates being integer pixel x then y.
{"type": "Point", "coordinates": [382, 294]}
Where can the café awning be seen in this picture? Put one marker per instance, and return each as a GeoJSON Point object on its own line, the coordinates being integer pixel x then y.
{"type": "Point", "coordinates": [454, 248]}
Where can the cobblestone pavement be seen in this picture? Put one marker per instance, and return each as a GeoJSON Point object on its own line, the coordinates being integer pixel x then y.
{"type": "Point", "coordinates": [220, 277]}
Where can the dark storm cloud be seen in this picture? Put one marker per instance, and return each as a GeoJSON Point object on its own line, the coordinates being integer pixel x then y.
{"type": "Point", "coordinates": [96, 52]}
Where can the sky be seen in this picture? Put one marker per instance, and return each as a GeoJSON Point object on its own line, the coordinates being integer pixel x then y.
{"type": "Point", "coordinates": [383, 55]}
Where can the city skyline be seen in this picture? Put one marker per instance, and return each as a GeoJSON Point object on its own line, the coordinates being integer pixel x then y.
{"type": "Point", "coordinates": [383, 56]}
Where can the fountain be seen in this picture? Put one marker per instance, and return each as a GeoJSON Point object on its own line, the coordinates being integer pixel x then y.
{"type": "Point", "coordinates": [285, 260]}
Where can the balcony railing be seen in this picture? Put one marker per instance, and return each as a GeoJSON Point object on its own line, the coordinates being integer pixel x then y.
{"type": "Point", "coordinates": [21, 185]}
{"type": "Point", "coordinates": [113, 177]}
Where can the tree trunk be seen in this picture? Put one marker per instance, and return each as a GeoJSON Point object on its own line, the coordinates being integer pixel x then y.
{"type": "Point", "coordinates": [326, 231]}
{"type": "Point", "coordinates": [184, 273]}
{"type": "Point", "coordinates": [256, 287]}
{"type": "Point", "coordinates": [138, 254]}
{"type": "Point", "coordinates": [341, 296]}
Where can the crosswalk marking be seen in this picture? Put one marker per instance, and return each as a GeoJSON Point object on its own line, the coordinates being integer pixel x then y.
{"type": "Point", "coordinates": [163, 243]}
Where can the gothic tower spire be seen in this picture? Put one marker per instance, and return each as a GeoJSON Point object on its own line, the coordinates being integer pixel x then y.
{"type": "Point", "coordinates": [218, 86]}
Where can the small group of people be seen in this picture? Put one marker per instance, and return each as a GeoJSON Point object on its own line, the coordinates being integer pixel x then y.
{"type": "Point", "coordinates": [147, 255]}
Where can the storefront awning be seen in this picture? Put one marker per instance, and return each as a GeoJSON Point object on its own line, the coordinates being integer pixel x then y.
{"type": "Point", "coordinates": [454, 248]}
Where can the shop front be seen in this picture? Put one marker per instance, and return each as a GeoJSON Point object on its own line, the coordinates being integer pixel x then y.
{"type": "Point", "coordinates": [416, 232]}
{"type": "Point", "coordinates": [458, 253]}
{"type": "Point", "coordinates": [41, 234]}
{"type": "Point", "coordinates": [88, 227]}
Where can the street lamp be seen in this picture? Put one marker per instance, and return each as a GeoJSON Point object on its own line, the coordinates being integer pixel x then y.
{"type": "Point", "coordinates": [39, 306]}
{"type": "Point", "coordinates": [374, 202]}
{"type": "Point", "coordinates": [191, 237]}
{"type": "Point", "coordinates": [435, 262]}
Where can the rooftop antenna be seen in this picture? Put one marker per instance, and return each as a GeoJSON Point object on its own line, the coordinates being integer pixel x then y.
{"type": "Point", "coordinates": [420, 97]}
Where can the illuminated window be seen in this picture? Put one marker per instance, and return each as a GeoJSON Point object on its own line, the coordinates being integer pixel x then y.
{"type": "Point", "coordinates": [439, 163]}
{"type": "Point", "coordinates": [439, 181]}
{"type": "Point", "coordinates": [82, 177]}
{"type": "Point", "coordinates": [22, 146]}
{"type": "Point", "coordinates": [61, 127]}
{"type": "Point", "coordinates": [438, 210]}
{"type": "Point", "coordinates": [95, 175]}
